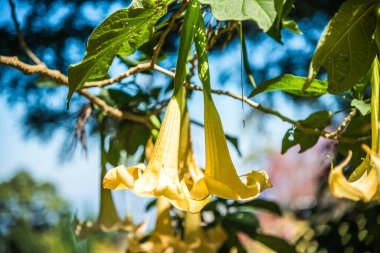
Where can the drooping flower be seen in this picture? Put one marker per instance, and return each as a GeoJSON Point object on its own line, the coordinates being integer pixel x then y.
{"type": "Point", "coordinates": [161, 176]}
{"type": "Point", "coordinates": [220, 178]}
{"type": "Point", "coordinates": [363, 184]}
{"type": "Point", "coordinates": [363, 188]}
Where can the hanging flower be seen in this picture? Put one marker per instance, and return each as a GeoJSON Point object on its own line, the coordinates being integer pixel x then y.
{"type": "Point", "coordinates": [161, 176]}
{"type": "Point", "coordinates": [363, 188]}
{"type": "Point", "coordinates": [363, 184]}
{"type": "Point", "coordinates": [220, 178]}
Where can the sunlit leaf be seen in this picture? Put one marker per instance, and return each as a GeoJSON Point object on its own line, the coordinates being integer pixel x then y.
{"type": "Point", "coordinates": [263, 12]}
{"type": "Point", "coordinates": [292, 85]}
{"type": "Point", "coordinates": [347, 47]}
{"type": "Point", "coordinates": [362, 106]}
{"type": "Point", "coordinates": [120, 33]}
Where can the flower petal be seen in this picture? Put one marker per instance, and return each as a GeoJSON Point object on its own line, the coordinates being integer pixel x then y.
{"type": "Point", "coordinates": [122, 177]}
{"type": "Point", "coordinates": [221, 177]}
{"type": "Point", "coordinates": [364, 188]}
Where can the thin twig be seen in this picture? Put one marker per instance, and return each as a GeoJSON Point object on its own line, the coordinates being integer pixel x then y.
{"type": "Point", "coordinates": [133, 70]}
{"type": "Point", "coordinates": [157, 48]}
{"type": "Point", "coordinates": [21, 38]}
{"type": "Point", "coordinates": [343, 125]}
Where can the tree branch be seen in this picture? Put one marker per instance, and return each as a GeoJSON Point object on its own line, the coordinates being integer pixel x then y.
{"type": "Point", "coordinates": [56, 75]}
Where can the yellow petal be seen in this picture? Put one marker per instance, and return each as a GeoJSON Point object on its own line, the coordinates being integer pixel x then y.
{"type": "Point", "coordinates": [122, 177]}
{"type": "Point", "coordinates": [221, 177]}
{"type": "Point", "coordinates": [364, 188]}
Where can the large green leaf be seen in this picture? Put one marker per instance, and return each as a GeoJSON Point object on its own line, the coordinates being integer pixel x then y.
{"type": "Point", "coordinates": [347, 48]}
{"type": "Point", "coordinates": [263, 12]}
{"type": "Point", "coordinates": [120, 33]}
{"type": "Point", "coordinates": [293, 85]}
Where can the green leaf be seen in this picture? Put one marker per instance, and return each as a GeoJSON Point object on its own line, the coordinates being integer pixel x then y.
{"type": "Point", "coordinates": [283, 9]}
{"type": "Point", "coordinates": [121, 33]}
{"type": "Point", "coordinates": [263, 12]}
{"type": "Point", "coordinates": [267, 205]}
{"type": "Point", "coordinates": [347, 48]}
{"type": "Point", "coordinates": [318, 120]}
{"type": "Point", "coordinates": [292, 85]}
{"type": "Point", "coordinates": [362, 106]}
{"type": "Point", "coordinates": [275, 243]}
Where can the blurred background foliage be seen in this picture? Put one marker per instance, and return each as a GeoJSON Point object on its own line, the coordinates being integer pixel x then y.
{"type": "Point", "coordinates": [33, 218]}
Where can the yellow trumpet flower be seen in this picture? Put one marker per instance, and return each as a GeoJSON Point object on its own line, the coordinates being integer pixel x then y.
{"type": "Point", "coordinates": [363, 188]}
{"type": "Point", "coordinates": [161, 176]}
{"type": "Point", "coordinates": [363, 184]}
{"type": "Point", "coordinates": [221, 178]}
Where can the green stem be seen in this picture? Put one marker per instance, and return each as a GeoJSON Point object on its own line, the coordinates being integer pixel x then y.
{"type": "Point", "coordinates": [375, 96]}
{"type": "Point", "coordinates": [186, 39]}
